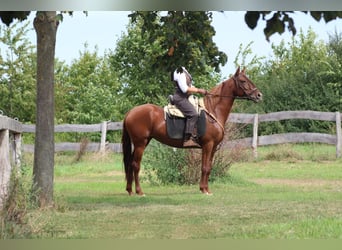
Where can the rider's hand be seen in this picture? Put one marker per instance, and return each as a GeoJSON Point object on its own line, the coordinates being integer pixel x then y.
{"type": "Point", "coordinates": [202, 91]}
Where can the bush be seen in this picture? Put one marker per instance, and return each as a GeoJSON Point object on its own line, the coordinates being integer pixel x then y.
{"type": "Point", "coordinates": [167, 165]}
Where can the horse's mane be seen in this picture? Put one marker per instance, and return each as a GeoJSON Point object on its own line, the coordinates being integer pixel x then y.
{"type": "Point", "coordinates": [218, 88]}
{"type": "Point", "coordinates": [215, 91]}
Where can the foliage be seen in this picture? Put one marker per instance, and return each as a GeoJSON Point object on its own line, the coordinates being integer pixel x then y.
{"type": "Point", "coordinates": [333, 75]}
{"type": "Point", "coordinates": [86, 92]}
{"type": "Point", "coordinates": [186, 38]}
{"type": "Point", "coordinates": [183, 167]}
{"type": "Point", "coordinates": [17, 73]}
{"type": "Point", "coordinates": [144, 64]}
{"type": "Point", "coordinates": [132, 60]}
{"type": "Point", "coordinates": [7, 17]}
{"type": "Point", "coordinates": [277, 21]}
{"type": "Point", "coordinates": [300, 76]}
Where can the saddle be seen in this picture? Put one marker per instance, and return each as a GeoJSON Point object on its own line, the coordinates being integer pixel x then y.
{"type": "Point", "coordinates": [176, 121]}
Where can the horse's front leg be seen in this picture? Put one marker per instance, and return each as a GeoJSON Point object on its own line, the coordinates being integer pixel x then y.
{"type": "Point", "coordinates": [207, 158]}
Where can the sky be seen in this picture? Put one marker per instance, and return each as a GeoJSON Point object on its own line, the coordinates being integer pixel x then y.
{"type": "Point", "coordinates": [102, 29]}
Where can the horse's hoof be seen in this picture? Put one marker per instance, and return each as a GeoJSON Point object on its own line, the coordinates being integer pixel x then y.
{"type": "Point", "coordinates": [207, 193]}
{"type": "Point", "coordinates": [140, 194]}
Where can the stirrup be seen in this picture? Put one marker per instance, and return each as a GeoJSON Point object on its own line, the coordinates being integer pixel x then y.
{"type": "Point", "coordinates": [191, 144]}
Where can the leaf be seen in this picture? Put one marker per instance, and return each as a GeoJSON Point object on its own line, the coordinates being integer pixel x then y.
{"type": "Point", "coordinates": [317, 15]}
{"type": "Point", "coordinates": [291, 27]}
{"type": "Point", "coordinates": [59, 17]}
{"type": "Point", "coordinates": [7, 17]}
{"type": "Point", "coordinates": [251, 18]}
{"type": "Point", "coordinates": [274, 25]}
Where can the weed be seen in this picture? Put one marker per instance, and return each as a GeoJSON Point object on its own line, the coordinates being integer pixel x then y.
{"type": "Point", "coordinates": [14, 222]}
{"type": "Point", "coordinates": [83, 146]}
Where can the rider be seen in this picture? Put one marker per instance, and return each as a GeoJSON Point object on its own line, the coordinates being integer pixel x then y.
{"type": "Point", "coordinates": [183, 90]}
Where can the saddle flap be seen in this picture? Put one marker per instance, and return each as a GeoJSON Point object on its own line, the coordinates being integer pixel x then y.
{"type": "Point", "coordinates": [175, 126]}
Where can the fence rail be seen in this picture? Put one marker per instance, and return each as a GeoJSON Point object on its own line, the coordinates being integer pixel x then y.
{"type": "Point", "coordinates": [254, 142]}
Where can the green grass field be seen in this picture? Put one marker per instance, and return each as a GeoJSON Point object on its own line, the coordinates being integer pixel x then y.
{"type": "Point", "coordinates": [289, 192]}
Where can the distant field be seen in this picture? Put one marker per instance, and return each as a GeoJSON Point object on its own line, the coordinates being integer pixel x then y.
{"type": "Point", "coordinates": [289, 192]}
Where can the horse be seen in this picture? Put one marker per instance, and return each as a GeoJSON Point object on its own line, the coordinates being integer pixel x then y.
{"type": "Point", "coordinates": [145, 122]}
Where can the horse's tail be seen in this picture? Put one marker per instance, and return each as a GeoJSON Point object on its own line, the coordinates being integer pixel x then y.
{"type": "Point", "coordinates": [127, 152]}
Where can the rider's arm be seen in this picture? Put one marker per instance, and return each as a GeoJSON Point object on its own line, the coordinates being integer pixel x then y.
{"type": "Point", "coordinates": [192, 90]}
{"type": "Point", "coordinates": [181, 79]}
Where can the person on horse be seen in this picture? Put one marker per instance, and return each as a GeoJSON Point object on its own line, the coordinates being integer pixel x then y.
{"type": "Point", "coordinates": [183, 89]}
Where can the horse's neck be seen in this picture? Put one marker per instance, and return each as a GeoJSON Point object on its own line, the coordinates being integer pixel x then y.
{"type": "Point", "coordinates": [221, 105]}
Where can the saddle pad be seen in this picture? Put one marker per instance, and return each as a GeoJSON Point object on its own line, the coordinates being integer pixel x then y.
{"type": "Point", "coordinates": [172, 110]}
{"type": "Point", "coordinates": [175, 126]}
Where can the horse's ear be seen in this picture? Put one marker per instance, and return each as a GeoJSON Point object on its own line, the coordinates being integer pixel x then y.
{"type": "Point", "coordinates": [237, 72]}
{"type": "Point", "coordinates": [244, 69]}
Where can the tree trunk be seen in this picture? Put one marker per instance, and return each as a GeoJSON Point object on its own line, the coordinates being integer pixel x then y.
{"type": "Point", "coordinates": [45, 24]}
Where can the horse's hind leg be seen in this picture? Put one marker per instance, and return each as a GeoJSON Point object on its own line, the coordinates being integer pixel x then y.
{"type": "Point", "coordinates": [134, 171]}
{"type": "Point", "coordinates": [129, 179]}
{"type": "Point", "coordinates": [137, 157]}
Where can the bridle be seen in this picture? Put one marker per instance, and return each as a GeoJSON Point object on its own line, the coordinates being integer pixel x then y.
{"type": "Point", "coordinates": [238, 84]}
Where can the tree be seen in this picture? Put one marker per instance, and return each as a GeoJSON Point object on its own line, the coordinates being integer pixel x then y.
{"type": "Point", "coordinates": [185, 37]}
{"type": "Point", "coordinates": [17, 73]}
{"type": "Point", "coordinates": [87, 90]}
{"type": "Point", "coordinates": [298, 76]}
{"type": "Point", "coordinates": [144, 63]}
{"type": "Point", "coordinates": [45, 24]}
{"type": "Point", "coordinates": [334, 73]}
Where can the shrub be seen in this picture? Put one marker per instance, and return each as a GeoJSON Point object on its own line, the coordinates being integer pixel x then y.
{"type": "Point", "coordinates": [166, 165]}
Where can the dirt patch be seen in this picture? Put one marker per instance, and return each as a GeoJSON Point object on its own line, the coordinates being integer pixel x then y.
{"type": "Point", "coordinates": [336, 184]}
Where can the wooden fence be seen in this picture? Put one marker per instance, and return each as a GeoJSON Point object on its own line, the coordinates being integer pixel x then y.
{"type": "Point", "coordinates": [254, 142]}
{"type": "Point", "coordinates": [10, 152]}
{"type": "Point", "coordinates": [255, 119]}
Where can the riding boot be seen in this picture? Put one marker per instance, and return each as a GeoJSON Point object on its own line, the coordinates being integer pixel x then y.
{"type": "Point", "coordinates": [190, 141]}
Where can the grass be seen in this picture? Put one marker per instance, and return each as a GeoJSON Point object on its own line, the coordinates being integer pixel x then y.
{"type": "Point", "coordinates": [288, 193]}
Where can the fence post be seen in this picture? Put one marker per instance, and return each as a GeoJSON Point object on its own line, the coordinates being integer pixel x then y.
{"type": "Point", "coordinates": [255, 136]}
{"type": "Point", "coordinates": [5, 166]}
{"type": "Point", "coordinates": [103, 136]}
{"type": "Point", "coordinates": [16, 150]}
{"type": "Point", "coordinates": [338, 135]}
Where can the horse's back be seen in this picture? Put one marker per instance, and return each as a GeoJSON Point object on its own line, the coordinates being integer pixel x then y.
{"type": "Point", "coordinates": [143, 112]}
{"type": "Point", "coordinates": [144, 117]}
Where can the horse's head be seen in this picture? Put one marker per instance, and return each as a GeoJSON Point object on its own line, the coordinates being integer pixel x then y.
{"type": "Point", "coordinates": [245, 88]}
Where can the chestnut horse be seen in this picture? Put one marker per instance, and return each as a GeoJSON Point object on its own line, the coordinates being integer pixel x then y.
{"type": "Point", "coordinates": [144, 122]}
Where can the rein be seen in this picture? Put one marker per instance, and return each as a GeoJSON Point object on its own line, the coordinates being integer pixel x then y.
{"type": "Point", "coordinates": [238, 85]}
{"type": "Point", "coordinates": [247, 97]}
{"type": "Point", "coordinates": [228, 96]}
{"type": "Point", "coordinates": [214, 118]}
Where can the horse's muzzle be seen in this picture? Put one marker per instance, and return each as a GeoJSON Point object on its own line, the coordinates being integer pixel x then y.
{"type": "Point", "coordinates": [256, 97]}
